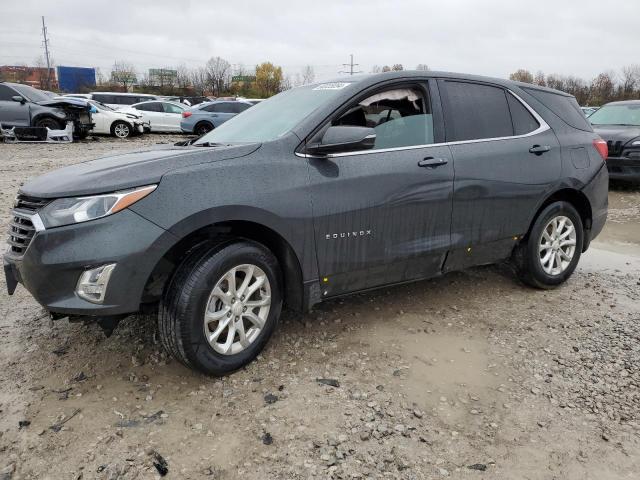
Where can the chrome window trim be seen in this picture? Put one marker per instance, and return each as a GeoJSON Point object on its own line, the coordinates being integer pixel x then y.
{"type": "Point", "coordinates": [543, 127]}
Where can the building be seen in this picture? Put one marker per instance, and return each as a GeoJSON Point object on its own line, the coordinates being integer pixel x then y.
{"type": "Point", "coordinates": [160, 77]}
{"type": "Point", "coordinates": [34, 76]}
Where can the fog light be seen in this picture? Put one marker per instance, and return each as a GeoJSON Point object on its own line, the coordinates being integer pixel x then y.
{"type": "Point", "coordinates": [92, 285]}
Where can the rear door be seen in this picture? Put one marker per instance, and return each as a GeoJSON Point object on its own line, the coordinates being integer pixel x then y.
{"type": "Point", "coordinates": [12, 113]}
{"type": "Point", "coordinates": [506, 158]}
{"type": "Point", "coordinates": [153, 112]}
{"type": "Point", "coordinates": [172, 116]}
{"type": "Point", "coordinates": [383, 216]}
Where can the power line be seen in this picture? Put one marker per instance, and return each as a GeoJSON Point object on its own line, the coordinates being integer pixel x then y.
{"type": "Point", "coordinates": [351, 65]}
{"type": "Point", "coordinates": [45, 41]}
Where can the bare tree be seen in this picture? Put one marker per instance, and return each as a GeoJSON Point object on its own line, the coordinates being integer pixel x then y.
{"type": "Point", "coordinates": [630, 80]}
{"type": "Point", "coordinates": [199, 80]}
{"type": "Point", "coordinates": [386, 68]}
{"type": "Point", "coordinates": [522, 75]}
{"type": "Point", "coordinates": [308, 75]}
{"type": "Point", "coordinates": [423, 67]}
{"type": "Point", "coordinates": [124, 74]}
{"type": "Point", "coordinates": [376, 69]}
{"type": "Point", "coordinates": [183, 77]}
{"type": "Point", "coordinates": [601, 89]}
{"type": "Point", "coordinates": [218, 74]}
{"type": "Point", "coordinates": [397, 67]}
{"type": "Point", "coordinates": [539, 79]}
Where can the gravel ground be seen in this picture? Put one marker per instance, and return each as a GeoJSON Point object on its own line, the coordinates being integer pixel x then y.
{"type": "Point", "coordinates": [469, 376]}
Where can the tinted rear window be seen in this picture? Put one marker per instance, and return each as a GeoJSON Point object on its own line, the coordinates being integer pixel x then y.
{"type": "Point", "coordinates": [564, 107]}
{"type": "Point", "coordinates": [475, 111]}
{"type": "Point", "coordinates": [523, 121]}
{"type": "Point", "coordinates": [104, 98]}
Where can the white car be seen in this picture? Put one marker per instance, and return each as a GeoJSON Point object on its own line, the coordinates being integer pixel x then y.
{"type": "Point", "coordinates": [115, 122]}
{"type": "Point", "coordinates": [163, 115]}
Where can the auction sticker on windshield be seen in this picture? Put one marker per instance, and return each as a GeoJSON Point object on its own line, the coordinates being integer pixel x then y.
{"type": "Point", "coordinates": [332, 86]}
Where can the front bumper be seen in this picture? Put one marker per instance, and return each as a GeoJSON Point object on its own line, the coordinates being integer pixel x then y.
{"type": "Point", "coordinates": [622, 168]}
{"type": "Point", "coordinates": [55, 258]}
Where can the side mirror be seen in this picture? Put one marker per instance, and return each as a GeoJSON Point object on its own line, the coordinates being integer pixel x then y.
{"type": "Point", "coordinates": [343, 138]}
{"type": "Point", "coordinates": [18, 98]}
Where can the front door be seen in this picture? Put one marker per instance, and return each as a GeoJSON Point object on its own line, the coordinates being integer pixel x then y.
{"type": "Point", "coordinates": [13, 113]}
{"type": "Point", "coordinates": [382, 216]}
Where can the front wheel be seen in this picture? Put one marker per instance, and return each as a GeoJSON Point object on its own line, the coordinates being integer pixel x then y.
{"type": "Point", "coordinates": [553, 247]}
{"type": "Point", "coordinates": [50, 123]}
{"type": "Point", "coordinates": [121, 129]}
{"type": "Point", "coordinates": [221, 306]}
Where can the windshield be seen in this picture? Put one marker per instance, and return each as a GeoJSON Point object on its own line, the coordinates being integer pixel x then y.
{"type": "Point", "coordinates": [101, 106]}
{"type": "Point", "coordinates": [617, 115]}
{"type": "Point", "coordinates": [31, 93]}
{"type": "Point", "coordinates": [272, 118]}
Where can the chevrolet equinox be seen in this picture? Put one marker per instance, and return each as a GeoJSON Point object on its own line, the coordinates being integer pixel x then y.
{"type": "Point", "coordinates": [320, 191]}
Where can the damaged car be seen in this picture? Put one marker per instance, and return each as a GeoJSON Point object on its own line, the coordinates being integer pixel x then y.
{"type": "Point", "coordinates": [24, 106]}
{"type": "Point", "coordinates": [117, 123]}
{"type": "Point", "coordinates": [318, 192]}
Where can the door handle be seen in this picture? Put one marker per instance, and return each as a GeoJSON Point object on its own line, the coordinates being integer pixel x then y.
{"type": "Point", "coordinates": [539, 149]}
{"type": "Point", "coordinates": [431, 162]}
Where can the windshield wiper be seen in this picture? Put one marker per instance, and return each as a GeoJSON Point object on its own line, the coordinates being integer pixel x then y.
{"type": "Point", "coordinates": [209, 144]}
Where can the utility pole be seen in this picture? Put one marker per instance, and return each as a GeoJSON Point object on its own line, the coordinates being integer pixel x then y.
{"type": "Point", "coordinates": [45, 42]}
{"type": "Point", "coordinates": [351, 65]}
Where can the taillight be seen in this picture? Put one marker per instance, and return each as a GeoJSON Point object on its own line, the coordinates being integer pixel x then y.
{"type": "Point", "coordinates": [186, 114]}
{"type": "Point", "coordinates": [601, 147]}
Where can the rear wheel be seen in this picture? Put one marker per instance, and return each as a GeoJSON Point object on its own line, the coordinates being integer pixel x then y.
{"type": "Point", "coordinates": [121, 129]}
{"type": "Point", "coordinates": [202, 128]}
{"type": "Point", "coordinates": [50, 123]}
{"type": "Point", "coordinates": [553, 247]}
{"type": "Point", "coordinates": [221, 306]}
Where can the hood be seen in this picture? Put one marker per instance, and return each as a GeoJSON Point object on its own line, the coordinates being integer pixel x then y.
{"type": "Point", "coordinates": [66, 102]}
{"type": "Point", "coordinates": [128, 170]}
{"type": "Point", "coordinates": [617, 133]}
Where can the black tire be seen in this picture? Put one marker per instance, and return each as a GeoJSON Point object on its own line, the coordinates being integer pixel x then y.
{"type": "Point", "coordinates": [120, 126]}
{"type": "Point", "coordinates": [50, 123]}
{"type": "Point", "coordinates": [180, 319]}
{"type": "Point", "coordinates": [202, 128]}
{"type": "Point", "coordinates": [527, 258]}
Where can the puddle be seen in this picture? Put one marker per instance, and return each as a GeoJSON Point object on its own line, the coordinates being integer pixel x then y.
{"type": "Point", "coordinates": [605, 258]}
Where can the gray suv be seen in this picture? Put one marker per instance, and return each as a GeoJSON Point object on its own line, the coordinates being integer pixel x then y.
{"type": "Point", "coordinates": [321, 191]}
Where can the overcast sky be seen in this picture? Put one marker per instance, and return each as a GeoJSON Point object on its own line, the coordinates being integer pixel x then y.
{"type": "Point", "coordinates": [489, 37]}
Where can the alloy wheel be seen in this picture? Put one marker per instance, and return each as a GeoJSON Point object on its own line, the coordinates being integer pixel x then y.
{"type": "Point", "coordinates": [557, 245]}
{"type": "Point", "coordinates": [121, 130]}
{"type": "Point", "coordinates": [237, 309]}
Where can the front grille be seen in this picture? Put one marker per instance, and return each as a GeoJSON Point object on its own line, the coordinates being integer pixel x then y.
{"type": "Point", "coordinates": [21, 228]}
{"type": "Point", "coordinates": [30, 204]}
{"type": "Point", "coordinates": [21, 232]}
{"type": "Point", "coordinates": [615, 148]}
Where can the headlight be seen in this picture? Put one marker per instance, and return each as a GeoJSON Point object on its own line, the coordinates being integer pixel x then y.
{"type": "Point", "coordinates": [66, 211]}
{"type": "Point", "coordinates": [635, 143]}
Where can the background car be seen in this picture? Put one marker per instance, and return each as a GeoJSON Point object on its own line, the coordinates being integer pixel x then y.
{"type": "Point", "coordinates": [618, 124]}
{"type": "Point", "coordinates": [112, 122]}
{"type": "Point", "coordinates": [588, 110]}
{"type": "Point", "coordinates": [115, 100]}
{"type": "Point", "coordinates": [189, 101]}
{"type": "Point", "coordinates": [25, 106]}
{"type": "Point", "coordinates": [207, 116]}
{"type": "Point", "coordinates": [162, 116]}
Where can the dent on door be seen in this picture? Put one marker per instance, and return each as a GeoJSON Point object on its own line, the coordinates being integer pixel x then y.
{"type": "Point", "coordinates": [380, 218]}
{"type": "Point", "coordinates": [497, 188]}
